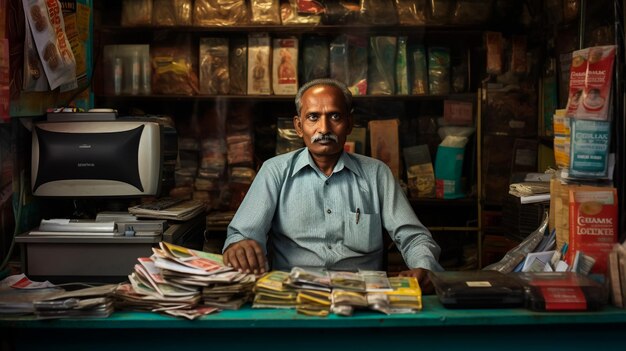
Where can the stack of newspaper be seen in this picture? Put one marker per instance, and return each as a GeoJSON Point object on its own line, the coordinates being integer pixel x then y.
{"type": "Point", "coordinates": [171, 279]}
{"type": "Point", "coordinates": [272, 291]}
{"type": "Point", "coordinates": [405, 296]}
{"type": "Point", "coordinates": [92, 302]}
{"type": "Point", "coordinates": [169, 208]}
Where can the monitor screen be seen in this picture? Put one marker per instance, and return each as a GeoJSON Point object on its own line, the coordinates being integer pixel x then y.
{"type": "Point", "coordinates": [104, 158]}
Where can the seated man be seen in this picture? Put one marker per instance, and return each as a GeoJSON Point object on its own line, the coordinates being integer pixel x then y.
{"type": "Point", "coordinates": [325, 207]}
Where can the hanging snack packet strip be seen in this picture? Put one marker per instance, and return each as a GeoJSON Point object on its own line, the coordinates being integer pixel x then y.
{"type": "Point", "coordinates": [598, 84]}
{"type": "Point", "coordinates": [46, 21]}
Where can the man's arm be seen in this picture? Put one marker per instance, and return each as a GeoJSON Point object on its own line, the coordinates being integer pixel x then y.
{"type": "Point", "coordinates": [245, 246]}
{"type": "Point", "coordinates": [418, 248]}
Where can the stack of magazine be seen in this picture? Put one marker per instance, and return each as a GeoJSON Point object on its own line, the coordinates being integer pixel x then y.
{"type": "Point", "coordinates": [171, 280]}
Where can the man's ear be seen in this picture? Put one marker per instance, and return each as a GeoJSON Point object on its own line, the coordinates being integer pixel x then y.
{"type": "Point", "coordinates": [297, 124]}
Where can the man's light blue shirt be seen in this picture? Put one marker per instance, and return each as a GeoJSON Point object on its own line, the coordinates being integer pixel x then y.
{"type": "Point", "coordinates": [333, 222]}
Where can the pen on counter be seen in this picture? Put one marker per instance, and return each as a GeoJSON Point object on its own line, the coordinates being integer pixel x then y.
{"type": "Point", "coordinates": [358, 215]}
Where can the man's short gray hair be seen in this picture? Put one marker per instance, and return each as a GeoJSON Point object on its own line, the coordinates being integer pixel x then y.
{"type": "Point", "coordinates": [347, 95]}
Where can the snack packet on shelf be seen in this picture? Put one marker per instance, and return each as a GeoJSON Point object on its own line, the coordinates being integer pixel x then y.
{"type": "Point", "coordinates": [46, 21]}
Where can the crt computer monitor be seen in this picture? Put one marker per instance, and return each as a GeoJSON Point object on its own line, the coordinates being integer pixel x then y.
{"type": "Point", "coordinates": [96, 158]}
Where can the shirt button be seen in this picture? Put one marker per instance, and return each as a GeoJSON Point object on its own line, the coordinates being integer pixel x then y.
{"type": "Point", "coordinates": [329, 246]}
{"type": "Point", "coordinates": [326, 182]}
{"type": "Point", "coordinates": [328, 211]}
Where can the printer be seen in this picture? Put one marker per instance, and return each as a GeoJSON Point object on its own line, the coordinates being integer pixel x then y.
{"type": "Point", "coordinates": [91, 158]}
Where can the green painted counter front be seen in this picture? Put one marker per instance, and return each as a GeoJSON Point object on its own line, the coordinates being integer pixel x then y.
{"type": "Point", "coordinates": [435, 328]}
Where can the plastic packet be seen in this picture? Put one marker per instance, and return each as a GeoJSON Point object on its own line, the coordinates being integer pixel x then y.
{"type": "Point", "coordinates": [265, 11]}
{"type": "Point", "coordinates": [212, 156]}
{"type": "Point", "coordinates": [315, 57]}
{"type": "Point", "coordinates": [439, 70]}
{"type": "Point", "coordinates": [378, 12]}
{"type": "Point", "coordinates": [419, 72]}
{"type": "Point", "coordinates": [171, 12]}
{"type": "Point", "coordinates": [570, 10]}
{"type": "Point", "coordinates": [136, 13]}
{"type": "Point", "coordinates": [494, 44]}
{"type": "Point", "coordinates": [349, 62]}
{"type": "Point", "coordinates": [259, 64]}
{"type": "Point", "coordinates": [238, 65]}
{"type": "Point", "coordinates": [420, 172]}
{"type": "Point", "coordinates": [219, 12]}
{"type": "Point", "coordinates": [516, 255]}
{"type": "Point", "coordinates": [285, 66]}
{"type": "Point", "coordinates": [214, 70]}
{"type": "Point", "coordinates": [240, 149]}
{"type": "Point", "coordinates": [412, 12]}
{"type": "Point", "coordinates": [172, 70]}
{"type": "Point", "coordinates": [289, 14]}
{"type": "Point", "coordinates": [402, 70]}
{"type": "Point", "coordinates": [578, 70]}
{"type": "Point", "coordinates": [440, 11]}
{"type": "Point", "coordinates": [34, 75]}
{"type": "Point", "coordinates": [55, 51]}
{"type": "Point", "coordinates": [596, 99]}
{"type": "Point", "coordinates": [286, 137]}
{"type": "Point", "coordinates": [471, 11]}
{"type": "Point", "coordinates": [381, 72]}
{"type": "Point", "coordinates": [340, 12]}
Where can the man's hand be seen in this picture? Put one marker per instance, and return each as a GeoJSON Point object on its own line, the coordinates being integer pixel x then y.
{"type": "Point", "coordinates": [246, 256]}
{"type": "Point", "coordinates": [422, 277]}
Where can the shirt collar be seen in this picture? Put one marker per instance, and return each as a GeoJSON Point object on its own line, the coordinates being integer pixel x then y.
{"type": "Point", "coordinates": [345, 161]}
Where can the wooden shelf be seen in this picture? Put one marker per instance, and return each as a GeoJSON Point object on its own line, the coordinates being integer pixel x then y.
{"type": "Point", "coordinates": [411, 30]}
{"type": "Point", "coordinates": [289, 98]}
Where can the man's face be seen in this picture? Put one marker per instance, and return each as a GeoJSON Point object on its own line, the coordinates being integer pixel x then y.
{"type": "Point", "coordinates": [324, 121]}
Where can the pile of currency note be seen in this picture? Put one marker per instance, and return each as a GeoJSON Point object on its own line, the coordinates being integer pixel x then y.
{"type": "Point", "coordinates": [318, 292]}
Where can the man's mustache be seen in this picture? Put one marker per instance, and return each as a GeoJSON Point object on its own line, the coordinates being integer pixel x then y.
{"type": "Point", "coordinates": [322, 137]}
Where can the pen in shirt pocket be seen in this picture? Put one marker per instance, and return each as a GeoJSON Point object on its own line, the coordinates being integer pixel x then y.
{"type": "Point", "coordinates": [358, 215]}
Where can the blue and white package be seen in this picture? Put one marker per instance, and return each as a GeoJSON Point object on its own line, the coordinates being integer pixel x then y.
{"type": "Point", "coordinates": [589, 148]}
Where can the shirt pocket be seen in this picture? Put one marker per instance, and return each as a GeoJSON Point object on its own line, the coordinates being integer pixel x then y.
{"type": "Point", "coordinates": [364, 236]}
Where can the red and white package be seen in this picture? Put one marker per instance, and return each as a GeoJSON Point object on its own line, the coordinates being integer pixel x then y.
{"type": "Point", "coordinates": [46, 22]}
{"type": "Point", "coordinates": [592, 224]}
{"type": "Point", "coordinates": [598, 83]}
{"type": "Point", "coordinates": [577, 74]}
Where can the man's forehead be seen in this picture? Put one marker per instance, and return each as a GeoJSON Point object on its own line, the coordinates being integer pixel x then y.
{"type": "Point", "coordinates": [323, 88]}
